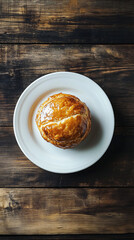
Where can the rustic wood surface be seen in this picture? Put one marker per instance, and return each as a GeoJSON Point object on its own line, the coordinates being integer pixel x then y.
{"type": "Point", "coordinates": [42, 36]}
{"type": "Point", "coordinates": [112, 67]}
{"type": "Point", "coordinates": [114, 169]}
{"type": "Point", "coordinates": [62, 211]}
{"type": "Point", "coordinates": [67, 21]}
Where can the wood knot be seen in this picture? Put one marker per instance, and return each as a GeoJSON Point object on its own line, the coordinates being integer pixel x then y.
{"type": "Point", "coordinates": [13, 204]}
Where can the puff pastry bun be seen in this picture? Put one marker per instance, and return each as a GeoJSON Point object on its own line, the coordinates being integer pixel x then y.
{"type": "Point", "coordinates": [63, 120]}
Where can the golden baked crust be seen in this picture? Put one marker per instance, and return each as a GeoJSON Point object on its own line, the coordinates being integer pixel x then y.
{"type": "Point", "coordinates": [63, 120]}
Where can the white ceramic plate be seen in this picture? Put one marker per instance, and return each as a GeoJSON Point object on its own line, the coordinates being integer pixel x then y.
{"type": "Point", "coordinates": [44, 154]}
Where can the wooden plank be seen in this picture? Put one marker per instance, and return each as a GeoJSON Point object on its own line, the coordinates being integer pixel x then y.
{"type": "Point", "coordinates": [112, 67]}
{"type": "Point", "coordinates": [71, 237]}
{"type": "Point", "coordinates": [114, 169]}
{"type": "Point", "coordinates": [66, 211]}
{"type": "Point", "coordinates": [66, 21]}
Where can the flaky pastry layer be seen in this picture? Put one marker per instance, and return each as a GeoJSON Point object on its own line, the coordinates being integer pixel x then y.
{"type": "Point", "coordinates": [63, 120]}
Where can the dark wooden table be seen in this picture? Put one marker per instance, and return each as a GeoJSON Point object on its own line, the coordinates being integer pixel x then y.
{"type": "Point", "coordinates": [94, 38]}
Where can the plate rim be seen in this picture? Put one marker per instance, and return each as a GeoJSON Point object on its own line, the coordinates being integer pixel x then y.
{"type": "Point", "coordinates": [17, 108]}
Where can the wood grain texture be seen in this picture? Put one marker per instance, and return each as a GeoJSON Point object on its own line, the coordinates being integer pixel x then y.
{"type": "Point", "coordinates": [66, 211]}
{"type": "Point", "coordinates": [70, 237]}
{"type": "Point", "coordinates": [112, 67]}
{"type": "Point", "coordinates": [75, 213]}
{"type": "Point", "coordinates": [72, 21]}
{"type": "Point", "coordinates": [114, 169]}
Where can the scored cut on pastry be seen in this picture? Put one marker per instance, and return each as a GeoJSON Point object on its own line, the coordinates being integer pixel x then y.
{"type": "Point", "coordinates": [63, 120]}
